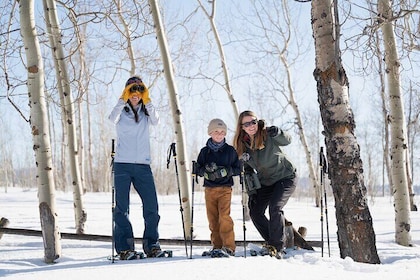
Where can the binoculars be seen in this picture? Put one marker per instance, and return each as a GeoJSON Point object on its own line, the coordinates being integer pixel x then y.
{"type": "Point", "coordinates": [139, 88]}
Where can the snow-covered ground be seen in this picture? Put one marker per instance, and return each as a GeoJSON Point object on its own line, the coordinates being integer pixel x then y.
{"type": "Point", "coordinates": [21, 257]}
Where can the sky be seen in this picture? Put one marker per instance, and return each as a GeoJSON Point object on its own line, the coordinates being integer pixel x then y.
{"type": "Point", "coordinates": [21, 257]}
{"type": "Point", "coordinates": [198, 108]}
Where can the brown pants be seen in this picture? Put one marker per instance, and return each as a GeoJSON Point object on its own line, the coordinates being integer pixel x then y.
{"type": "Point", "coordinates": [218, 201]}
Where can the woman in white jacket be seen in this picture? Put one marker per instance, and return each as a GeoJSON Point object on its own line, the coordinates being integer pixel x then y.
{"type": "Point", "coordinates": [132, 116]}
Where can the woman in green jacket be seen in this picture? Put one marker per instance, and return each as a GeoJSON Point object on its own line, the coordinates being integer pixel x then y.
{"type": "Point", "coordinates": [270, 177]}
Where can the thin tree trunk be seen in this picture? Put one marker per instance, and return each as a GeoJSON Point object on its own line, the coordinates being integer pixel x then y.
{"type": "Point", "coordinates": [68, 112]}
{"type": "Point", "coordinates": [211, 16]}
{"type": "Point", "coordinates": [398, 128]}
{"type": "Point", "coordinates": [182, 159]}
{"type": "Point", "coordinates": [356, 236]}
{"type": "Point", "coordinates": [411, 133]}
{"type": "Point", "coordinates": [384, 114]}
{"type": "Point", "coordinates": [40, 133]}
{"type": "Point", "coordinates": [127, 35]}
{"type": "Point", "coordinates": [86, 157]}
{"type": "Point", "coordinates": [299, 123]}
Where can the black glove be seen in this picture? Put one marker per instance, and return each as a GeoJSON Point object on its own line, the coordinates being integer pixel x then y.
{"type": "Point", "coordinates": [210, 171]}
{"type": "Point", "coordinates": [272, 131]}
{"type": "Point", "coordinates": [211, 176]}
{"type": "Point", "coordinates": [210, 167]}
{"type": "Point", "coordinates": [214, 172]}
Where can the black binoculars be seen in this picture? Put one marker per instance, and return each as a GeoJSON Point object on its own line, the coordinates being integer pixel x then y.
{"type": "Point", "coordinates": [139, 88]}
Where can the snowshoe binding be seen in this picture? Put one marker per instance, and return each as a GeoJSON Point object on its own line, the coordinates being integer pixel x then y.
{"type": "Point", "coordinates": [219, 253]}
{"type": "Point", "coordinates": [267, 250]}
{"type": "Point", "coordinates": [128, 255]}
{"type": "Point", "coordinates": [156, 252]}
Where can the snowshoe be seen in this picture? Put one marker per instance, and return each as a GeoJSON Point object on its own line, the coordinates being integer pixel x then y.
{"type": "Point", "coordinates": [130, 255]}
{"type": "Point", "coordinates": [156, 252]}
{"type": "Point", "coordinates": [127, 255]}
{"type": "Point", "coordinates": [228, 251]}
{"type": "Point", "coordinates": [216, 253]}
{"type": "Point", "coordinates": [206, 254]}
{"type": "Point", "coordinates": [266, 250]}
{"type": "Point", "coordinates": [253, 252]}
{"type": "Point", "coordinates": [219, 253]}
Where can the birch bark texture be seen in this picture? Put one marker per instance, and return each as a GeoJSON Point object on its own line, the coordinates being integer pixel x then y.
{"type": "Point", "coordinates": [67, 108]}
{"type": "Point", "coordinates": [40, 133]}
{"type": "Point", "coordinates": [356, 237]}
{"type": "Point", "coordinates": [182, 159]}
{"type": "Point", "coordinates": [398, 127]}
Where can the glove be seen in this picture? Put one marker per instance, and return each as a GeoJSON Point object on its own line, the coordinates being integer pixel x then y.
{"type": "Point", "coordinates": [209, 173]}
{"type": "Point", "coordinates": [217, 173]}
{"type": "Point", "coordinates": [145, 95]}
{"type": "Point", "coordinates": [272, 131]}
{"type": "Point", "coordinates": [210, 168]}
{"type": "Point", "coordinates": [136, 88]}
{"type": "Point", "coordinates": [211, 176]}
{"type": "Point", "coordinates": [126, 93]}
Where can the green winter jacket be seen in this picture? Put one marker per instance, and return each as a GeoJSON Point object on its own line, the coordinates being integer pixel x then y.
{"type": "Point", "coordinates": [270, 162]}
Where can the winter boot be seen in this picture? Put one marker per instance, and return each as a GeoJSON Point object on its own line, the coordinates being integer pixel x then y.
{"type": "Point", "coordinates": [155, 252]}
{"type": "Point", "coordinates": [280, 254]}
{"type": "Point", "coordinates": [218, 253]}
{"type": "Point", "coordinates": [268, 250]}
{"type": "Point", "coordinates": [272, 251]}
{"type": "Point", "coordinates": [128, 255]}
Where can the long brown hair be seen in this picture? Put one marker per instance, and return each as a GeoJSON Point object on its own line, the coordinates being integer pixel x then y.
{"type": "Point", "coordinates": [241, 138]}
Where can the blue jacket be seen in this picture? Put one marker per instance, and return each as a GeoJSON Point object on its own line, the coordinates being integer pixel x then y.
{"type": "Point", "coordinates": [133, 138]}
{"type": "Point", "coordinates": [226, 156]}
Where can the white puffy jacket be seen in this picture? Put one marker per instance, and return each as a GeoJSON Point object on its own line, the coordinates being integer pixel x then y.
{"type": "Point", "coordinates": [133, 139]}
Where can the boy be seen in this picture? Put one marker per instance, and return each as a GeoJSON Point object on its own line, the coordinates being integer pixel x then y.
{"type": "Point", "coordinates": [217, 162]}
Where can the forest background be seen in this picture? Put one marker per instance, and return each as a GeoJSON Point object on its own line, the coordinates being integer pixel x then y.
{"type": "Point", "coordinates": [254, 35]}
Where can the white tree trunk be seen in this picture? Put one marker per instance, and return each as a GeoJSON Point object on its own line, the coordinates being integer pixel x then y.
{"type": "Point", "coordinates": [384, 101]}
{"type": "Point", "coordinates": [211, 16]}
{"type": "Point", "coordinates": [127, 34]}
{"type": "Point", "coordinates": [302, 136]}
{"type": "Point", "coordinates": [66, 101]}
{"type": "Point", "coordinates": [398, 128]}
{"type": "Point", "coordinates": [40, 134]}
{"type": "Point", "coordinates": [182, 159]}
{"type": "Point", "coordinates": [356, 237]}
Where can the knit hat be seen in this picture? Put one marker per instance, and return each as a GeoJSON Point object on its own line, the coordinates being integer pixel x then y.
{"type": "Point", "coordinates": [216, 124]}
{"type": "Point", "coordinates": [132, 80]}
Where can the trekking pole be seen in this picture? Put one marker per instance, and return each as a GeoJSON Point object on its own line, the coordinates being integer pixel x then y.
{"type": "Point", "coordinates": [321, 177]}
{"type": "Point", "coordinates": [324, 171]}
{"type": "Point", "coordinates": [113, 198]}
{"type": "Point", "coordinates": [194, 178]}
{"type": "Point", "coordinates": [172, 151]}
{"type": "Point", "coordinates": [244, 158]}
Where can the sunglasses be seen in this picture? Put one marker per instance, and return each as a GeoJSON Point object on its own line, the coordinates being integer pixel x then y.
{"type": "Point", "coordinates": [248, 124]}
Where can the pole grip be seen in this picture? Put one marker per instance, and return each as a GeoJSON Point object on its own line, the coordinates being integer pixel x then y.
{"type": "Point", "coordinates": [113, 148]}
{"type": "Point", "coordinates": [194, 168]}
{"type": "Point", "coordinates": [173, 149]}
{"type": "Point", "coordinates": [321, 153]}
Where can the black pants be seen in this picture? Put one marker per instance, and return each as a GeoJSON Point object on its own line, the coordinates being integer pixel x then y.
{"type": "Point", "coordinates": [275, 198]}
